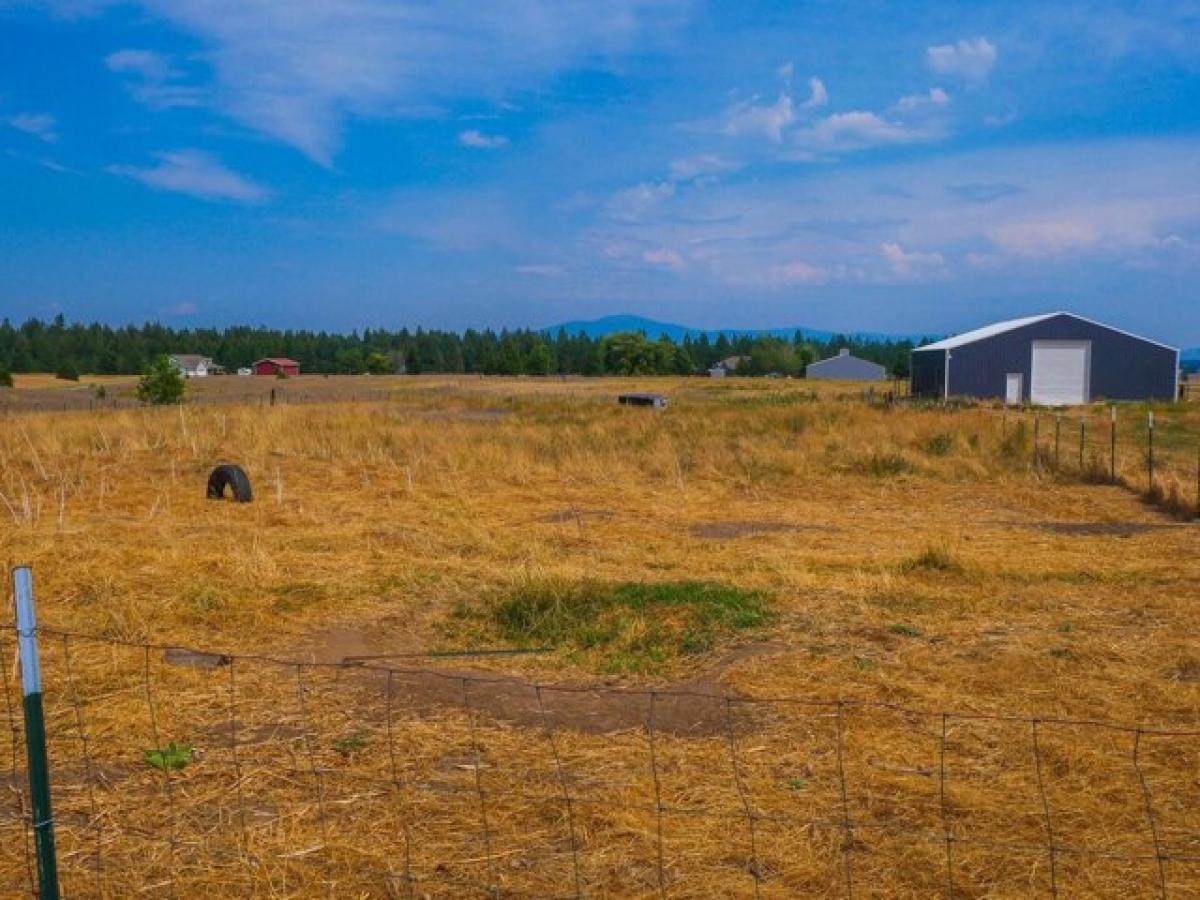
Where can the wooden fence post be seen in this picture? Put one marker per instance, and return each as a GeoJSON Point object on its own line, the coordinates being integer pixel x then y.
{"type": "Point", "coordinates": [1112, 452]}
{"type": "Point", "coordinates": [1150, 448]}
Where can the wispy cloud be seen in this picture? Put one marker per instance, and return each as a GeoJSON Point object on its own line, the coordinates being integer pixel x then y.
{"type": "Point", "coordinates": [42, 126]}
{"type": "Point", "coordinates": [702, 166]}
{"type": "Point", "coordinates": [196, 174]}
{"type": "Point", "coordinates": [297, 69]}
{"type": "Point", "coordinates": [664, 256]}
{"type": "Point", "coordinates": [474, 138]}
{"type": "Point", "coordinates": [633, 204]}
{"type": "Point", "coordinates": [970, 58]}
{"type": "Point", "coordinates": [935, 98]}
{"type": "Point", "coordinates": [154, 79]}
{"type": "Point", "coordinates": [904, 262]}
{"type": "Point", "coordinates": [756, 119]}
{"type": "Point", "coordinates": [545, 270]}
{"type": "Point", "coordinates": [859, 130]}
{"type": "Point", "coordinates": [983, 191]}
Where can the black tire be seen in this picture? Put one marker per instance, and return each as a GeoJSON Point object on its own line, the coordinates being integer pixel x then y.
{"type": "Point", "coordinates": [233, 477]}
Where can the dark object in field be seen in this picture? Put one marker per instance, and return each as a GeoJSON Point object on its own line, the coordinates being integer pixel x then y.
{"type": "Point", "coordinates": [658, 401]}
{"type": "Point", "coordinates": [233, 477]}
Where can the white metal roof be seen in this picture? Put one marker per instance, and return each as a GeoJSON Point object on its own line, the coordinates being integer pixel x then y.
{"type": "Point", "coordinates": [979, 334]}
{"type": "Point", "coordinates": [988, 331]}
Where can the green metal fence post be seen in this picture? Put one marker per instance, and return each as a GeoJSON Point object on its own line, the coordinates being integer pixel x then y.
{"type": "Point", "coordinates": [1150, 450]}
{"type": "Point", "coordinates": [35, 734]}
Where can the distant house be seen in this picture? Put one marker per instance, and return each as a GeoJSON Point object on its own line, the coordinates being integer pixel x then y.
{"type": "Point", "coordinates": [727, 366]}
{"type": "Point", "coordinates": [277, 365]}
{"type": "Point", "coordinates": [245, 370]}
{"type": "Point", "coordinates": [191, 365]}
{"type": "Point", "coordinates": [845, 367]}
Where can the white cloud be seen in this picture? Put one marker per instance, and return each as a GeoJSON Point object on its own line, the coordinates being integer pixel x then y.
{"type": "Point", "coordinates": [797, 272]}
{"type": "Point", "coordinates": [474, 138]}
{"type": "Point", "coordinates": [1045, 237]}
{"type": "Point", "coordinates": [750, 118]}
{"type": "Point", "coordinates": [545, 270]}
{"type": "Point", "coordinates": [664, 256]}
{"type": "Point", "coordinates": [817, 95]}
{"type": "Point", "coordinates": [858, 130]}
{"type": "Point", "coordinates": [633, 204]}
{"type": "Point", "coordinates": [196, 174]}
{"type": "Point", "coordinates": [39, 125]}
{"type": "Point", "coordinates": [971, 58]}
{"type": "Point", "coordinates": [913, 102]}
{"type": "Point", "coordinates": [704, 165]}
{"type": "Point", "coordinates": [297, 69]}
{"type": "Point", "coordinates": [904, 262]}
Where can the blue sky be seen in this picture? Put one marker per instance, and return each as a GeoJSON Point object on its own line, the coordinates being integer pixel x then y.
{"type": "Point", "coordinates": [916, 167]}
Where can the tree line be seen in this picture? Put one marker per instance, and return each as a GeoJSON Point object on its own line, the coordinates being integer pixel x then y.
{"type": "Point", "coordinates": [72, 349]}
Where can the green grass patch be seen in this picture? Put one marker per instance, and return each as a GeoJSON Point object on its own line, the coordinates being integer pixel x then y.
{"type": "Point", "coordinates": [171, 758]}
{"type": "Point", "coordinates": [902, 630]}
{"type": "Point", "coordinates": [939, 444]}
{"type": "Point", "coordinates": [628, 627]}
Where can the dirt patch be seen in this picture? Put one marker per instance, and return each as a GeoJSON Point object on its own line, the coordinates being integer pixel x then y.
{"type": "Point", "coordinates": [194, 659]}
{"type": "Point", "coordinates": [574, 515]}
{"type": "Point", "coordinates": [724, 531]}
{"type": "Point", "coordinates": [1101, 529]}
{"type": "Point", "coordinates": [693, 708]}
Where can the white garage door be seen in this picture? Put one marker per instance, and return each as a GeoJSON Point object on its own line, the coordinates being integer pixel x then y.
{"type": "Point", "coordinates": [1061, 372]}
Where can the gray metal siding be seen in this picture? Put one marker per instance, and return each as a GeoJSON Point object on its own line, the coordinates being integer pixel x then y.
{"type": "Point", "coordinates": [846, 368]}
{"type": "Point", "coordinates": [1123, 367]}
{"type": "Point", "coordinates": [929, 373]}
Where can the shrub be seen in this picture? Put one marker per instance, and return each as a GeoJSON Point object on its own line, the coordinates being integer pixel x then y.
{"type": "Point", "coordinates": [6, 379]}
{"type": "Point", "coordinates": [932, 559]}
{"type": "Point", "coordinates": [939, 444]}
{"type": "Point", "coordinates": [884, 465]}
{"type": "Point", "coordinates": [67, 371]}
{"type": "Point", "coordinates": [161, 383]}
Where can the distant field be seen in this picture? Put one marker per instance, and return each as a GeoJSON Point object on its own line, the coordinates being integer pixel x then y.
{"type": "Point", "coordinates": [764, 543]}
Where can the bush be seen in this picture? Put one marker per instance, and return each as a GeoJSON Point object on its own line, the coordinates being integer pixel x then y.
{"type": "Point", "coordinates": [161, 383]}
{"type": "Point", "coordinates": [67, 371]}
{"type": "Point", "coordinates": [939, 444]}
{"type": "Point", "coordinates": [6, 379]}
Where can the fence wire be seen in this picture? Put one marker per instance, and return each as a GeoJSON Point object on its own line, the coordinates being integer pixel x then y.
{"type": "Point", "coordinates": [249, 775]}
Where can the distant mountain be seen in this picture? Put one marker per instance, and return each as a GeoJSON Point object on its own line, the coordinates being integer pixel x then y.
{"type": "Point", "coordinates": [612, 324]}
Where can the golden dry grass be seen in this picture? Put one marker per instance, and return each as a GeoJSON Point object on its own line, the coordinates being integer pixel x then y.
{"type": "Point", "coordinates": [926, 572]}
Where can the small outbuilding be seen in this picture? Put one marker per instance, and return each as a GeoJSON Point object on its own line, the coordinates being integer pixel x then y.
{"type": "Point", "coordinates": [277, 365]}
{"type": "Point", "coordinates": [1055, 359]}
{"type": "Point", "coordinates": [845, 367]}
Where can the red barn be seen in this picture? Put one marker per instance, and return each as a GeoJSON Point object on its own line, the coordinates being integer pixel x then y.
{"type": "Point", "coordinates": [276, 365]}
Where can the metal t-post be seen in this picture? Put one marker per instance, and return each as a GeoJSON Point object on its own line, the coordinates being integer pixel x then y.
{"type": "Point", "coordinates": [1112, 450]}
{"type": "Point", "coordinates": [35, 734]}
{"type": "Point", "coordinates": [1150, 448]}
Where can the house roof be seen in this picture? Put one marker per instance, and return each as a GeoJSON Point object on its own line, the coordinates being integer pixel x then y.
{"type": "Point", "coordinates": [988, 331]}
{"type": "Point", "coordinates": [844, 355]}
{"type": "Point", "coordinates": [189, 360]}
{"type": "Point", "coordinates": [278, 361]}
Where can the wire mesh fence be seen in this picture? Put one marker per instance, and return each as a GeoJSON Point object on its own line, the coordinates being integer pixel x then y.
{"type": "Point", "coordinates": [180, 772]}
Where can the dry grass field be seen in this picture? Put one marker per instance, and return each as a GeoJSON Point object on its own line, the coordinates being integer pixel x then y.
{"type": "Point", "coordinates": [781, 642]}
